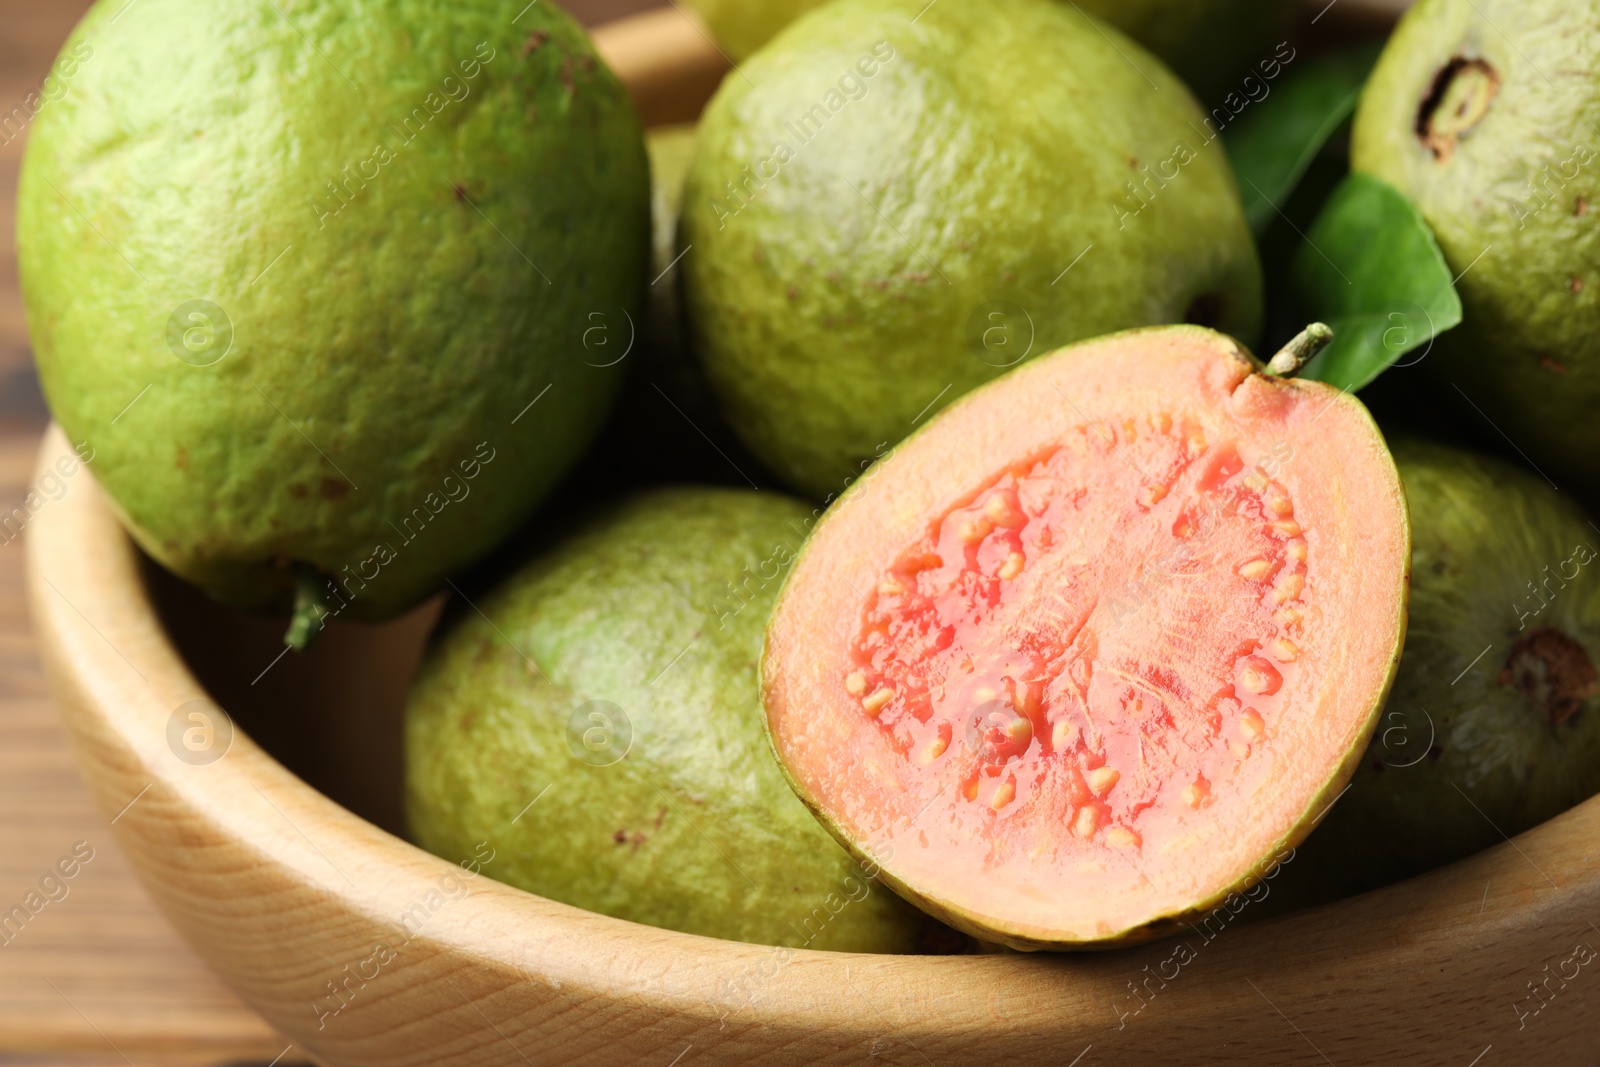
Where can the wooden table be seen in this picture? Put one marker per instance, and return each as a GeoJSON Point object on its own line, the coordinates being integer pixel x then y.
{"type": "Point", "coordinates": [96, 977]}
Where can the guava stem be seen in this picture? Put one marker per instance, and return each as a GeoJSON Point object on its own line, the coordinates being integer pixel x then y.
{"type": "Point", "coordinates": [310, 606]}
{"type": "Point", "coordinates": [1293, 357]}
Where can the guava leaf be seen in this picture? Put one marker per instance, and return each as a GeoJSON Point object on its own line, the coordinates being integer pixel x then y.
{"type": "Point", "coordinates": [1274, 142]}
{"type": "Point", "coordinates": [1371, 269]}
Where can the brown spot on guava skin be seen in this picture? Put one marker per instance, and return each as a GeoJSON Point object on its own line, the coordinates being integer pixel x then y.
{"type": "Point", "coordinates": [182, 461]}
{"type": "Point", "coordinates": [334, 488]}
{"type": "Point", "coordinates": [622, 837]}
{"type": "Point", "coordinates": [535, 41]}
{"type": "Point", "coordinates": [1581, 208]}
{"type": "Point", "coordinates": [298, 491]}
{"type": "Point", "coordinates": [1577, 285]}
{"type": "Point", "coordinates": [1459, 98]}
{"type": "Point", "coordinates": [1550, 363]}
{"type": "Point", "coordinates": [461, 191]}
{"type": "Point", "coordinates": [1553, 670]}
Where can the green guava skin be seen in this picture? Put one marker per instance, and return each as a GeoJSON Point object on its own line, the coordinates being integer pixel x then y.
{"type": "Point", "coordinates": [383, 342]}
{"type": "Point", "coordinates": [1463, 753]}
{"type": "Point", "coordinates": [1211, 44]}
{"type": "Point", "coordinates": [848, 297]}
{"type": "Point", "coordinates": [658, 606]}
{"type": "Point", "coordinates": [1207, 42]}
{"type": "Point", "coordinates": [1527, 353]}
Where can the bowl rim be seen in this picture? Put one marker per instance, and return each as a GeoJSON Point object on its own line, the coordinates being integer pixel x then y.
{"type": "Point", "coordinates": [211, 842]}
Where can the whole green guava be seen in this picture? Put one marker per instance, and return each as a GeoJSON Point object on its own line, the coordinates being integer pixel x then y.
{"type": "Point", "coordinates": [884, 213]}
{"type": "Point", "coordinates": [298, 274]}
{"type": "Point", "coordinates": [1493, 725]}
{"type": "Point", "coordinates": [1482, 112]}
{"type": "Point", "coordinates": [612, 684]}
{"type": "Point", "coordinates": [1209, 43]}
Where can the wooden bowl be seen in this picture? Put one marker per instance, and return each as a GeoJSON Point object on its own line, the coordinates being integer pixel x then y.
{"type": "Point", "coordinates": [363, 949]}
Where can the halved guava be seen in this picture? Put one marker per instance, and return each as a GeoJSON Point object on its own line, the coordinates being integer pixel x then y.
{"type": "Point", "coordinates": [1098, 645]}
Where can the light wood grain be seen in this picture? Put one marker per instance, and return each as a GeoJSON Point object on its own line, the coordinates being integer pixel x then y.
{"type": "Point", "coordinates": [128, 985]}
{"type": "Point", "coordinates": [98, 970]}
{"type": "Point", "coordinates": [98, 976]}
{"type": "Point", "coordinates": [280, 889]}
{"type": "Point", "coordinates": [668, 60]}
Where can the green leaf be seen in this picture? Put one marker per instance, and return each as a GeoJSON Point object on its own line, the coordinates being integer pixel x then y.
{"type": "Point", "coordinates": [1371, 269]}
{"type": "Point", "coordinates": [1274, 142]}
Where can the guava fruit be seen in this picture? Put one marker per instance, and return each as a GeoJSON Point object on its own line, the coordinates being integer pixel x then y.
{"type": "Point", "coordinates": [881, 215]}
{"type": "Point", "coordinates": [1095, 649]}
{"type": "Point", "coordinates": [1213, 45]}
{"type": "Point", "coordinates": [743, 26]}
{"type": "Point", "coordinates": [1493, 725]}
{"type": "Point", "coordinates": [1208, 42]}
{"type": "Point", "coordinates": [316, 287]}
{"type": "Point", "coordinates": [1481, 112]}
{"type": "Point", "coordinates": [611, 684]}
